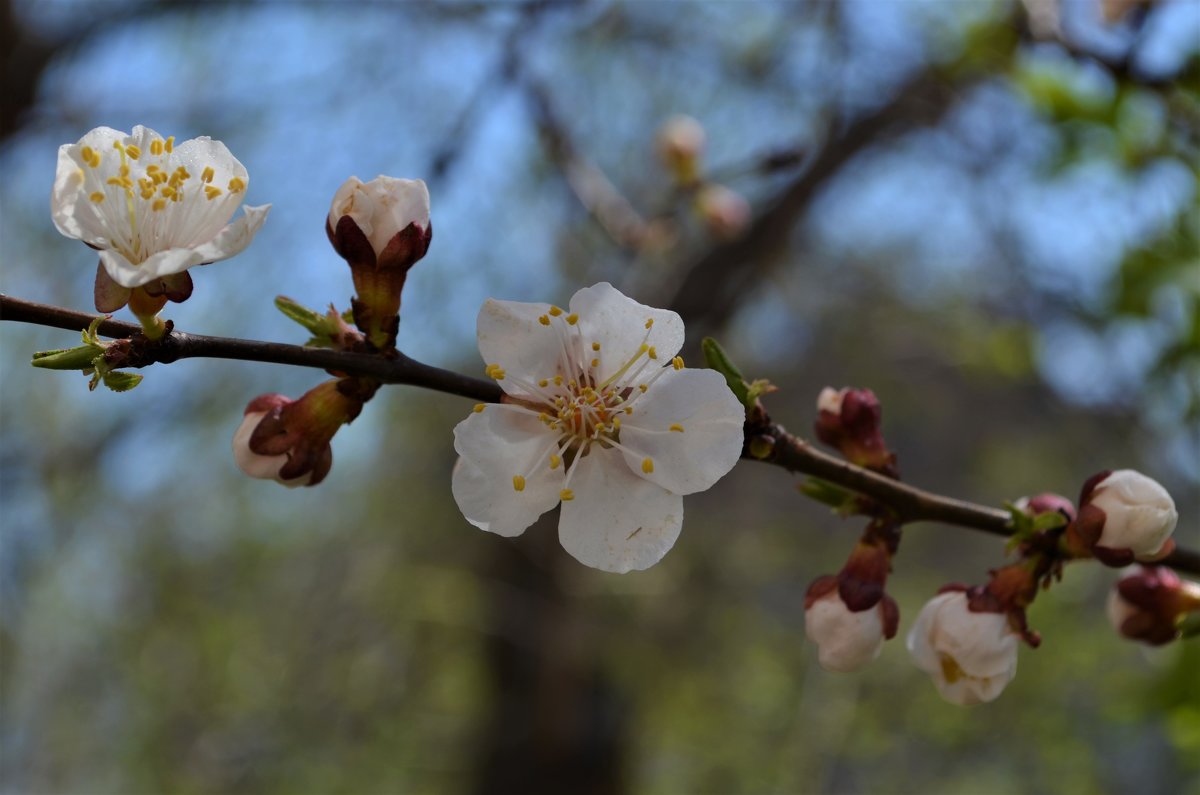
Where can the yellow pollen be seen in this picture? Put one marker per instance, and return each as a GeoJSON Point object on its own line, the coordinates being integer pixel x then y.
{"type": "Point", "coordinates": [156, 146]}
{"type": "Point", "coordinates": [951, 670]}
{"type": "Point", "coordinates": [555, 461]}
{"type": "Point", "coordinates": [544, 320]}
{"type": "Point", "coordinates": [677, 362]}
{"type": "Point", "coordinates": [90, 156]}
{"type": "Point", "coordinates": [97, 197]}
{"type": "Point", "coordinates": [572, 319]}
{"type": "Point", "coordinates": [653, 354]}
{"type": "Point", "coordinates": [479, 407]}
{"type": "Point", "coordinates": [159, 177]}
{"type": "Point", "coordinates": [168, 192]}
{"type": "Point", "coordinates": [629, 409]}
{"type": "Point", "coordinates": [544, 383]}
{"type": "Point", "coordinates": [124, 182]}
{"type": "Point", "coordinates": [494, 371]}
{"type": "Point", "coordinates": [169, 144]}
{"type": "Point", "coordinates": [237, 185]}
{"type": "Point", "coordinates": [212, 191]}
{"type": "Point", "coordinates": [518, 483]}
{"type": "Point", "coordinates": [647, 465]}
{"type": "Point", "coordinates": [595, 362]}
{"type": "Point", "coordinates": [207, 174]}
{"type": "Point", "coordinates": [147, 193]}
{"type": "Point", "coordinates": [649, 322]}
{"type": "Point", "coordinates": [133, 152]}
{"type": "Point", "coordinates": [555, 311]}
{"type": "Point", "coordinates": [616, 423]}
{"type": "Point", "coordinates": [158, 204]}
{"type": "Point", "coordinates": [643, 387]}
{"type": "Point", "coordinates": [558, 380]}
{"type": "Point", "coordinates": [566, 495]}
{"type": "Point", "coordinates": [675, 426]}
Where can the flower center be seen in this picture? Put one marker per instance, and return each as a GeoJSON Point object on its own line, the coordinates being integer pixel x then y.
{"type": "Point", "coordinates": [576, 404]}
{"type": "Point", "coordinates": [145, 205]}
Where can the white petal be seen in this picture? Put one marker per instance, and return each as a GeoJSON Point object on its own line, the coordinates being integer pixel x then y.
{"type": "Point", "coordinates": [234, 238]}
{"type": "Point", "coordinates": [618, 323]}
{"type": "Point", "coordinates": [253, 464]}
{"type": "Point", "coordinates": [352, 199]}
{"type": "Point", "coordinates": [920, 635]}
{"type": "Point", "coordinates": [126, 274]}
{"type": "Point", "coordinates": [398, 203]}
{"type": "Point", "coordinates": [73, 213]}
{"type": "Point", "coordinates": [511, 336]}
{"type": "Point", "coordinates": [496, 445]}
{"type": "Point", "coordinates": [618, 521]}
{"type": "Point", "coordinates": [846, 640]}
{"type": "Point", "coordinates": [711, 442]}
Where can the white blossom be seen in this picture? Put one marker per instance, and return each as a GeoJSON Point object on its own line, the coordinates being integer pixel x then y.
{"type": "Point", "coordinates": [970, 656]}
{"type": "Point", "coordinates": [265, 467]}
{"type": "Point", "coordinates": [601, 415]}
{"type": "Point", "coordinates": [381, 208]}
{"type": "Point", "coordinates": [846, 640]}
{"type": "Point", "coordinates": [1139, 514]}
{"type": "Point", "coordinates": [153, 208]}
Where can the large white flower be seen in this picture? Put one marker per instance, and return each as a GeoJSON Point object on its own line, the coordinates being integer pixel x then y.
{"type": "Point", "coordinates": [601, 415]}
{"type": "Point", "coordinates": [151, 207]}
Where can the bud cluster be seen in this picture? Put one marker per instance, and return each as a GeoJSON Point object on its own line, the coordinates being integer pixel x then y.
{"type": "Point", "coordinates": [680, 145]}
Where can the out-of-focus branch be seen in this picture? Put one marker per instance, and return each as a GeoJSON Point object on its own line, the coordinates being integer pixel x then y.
{"type": "Point", "coordinates": [910, 504]}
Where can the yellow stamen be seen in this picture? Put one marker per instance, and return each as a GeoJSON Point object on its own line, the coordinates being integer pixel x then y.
{"type": "Point", "coordinates": [595, 346]}
{"type": "Point", "coordinates": [237, 185]}
{"type": "Point", "coordinates": [156, 146]}
{"type": "Point", "coordinates": [675, 426]}
{"type": "Point", "coordinates": [134, 152]}
{"type": "Point", "coordinates": [544, 383]}
{"type": "Point", "coordinates": [558, 379]}
{"type": "Point", "coordinates": [544, 320]}
{"type": "Point", "coordinates": [207, 174]}
{"type": "Point", "coordinates": [158, 204]}
{"type": "Point", "coordinates": [677, 362]}
{"type": "Point", "coordinates": [649, 322]}
{"type": "Point", "coordinates": [555, 461]}
{"type": "Point", "coordinates": [647, 465]}
{"type": "Point", "coordinates": [97, 197]}
{"type": "Point", "coordinates": [616, 423]}
{"type": "Point", "coordinates": [572, 318]}
{"type": "Point", "coordinates": [652, 353]}
{"type": "Point", "coordinates": [479, 407]}
{"type": "Point", "coordinates": [566, 495]}
{"type": "Point", "coordinates": [212, 191]}
{"type": "Point", "coordinates": [555, 311]}
{"type": "Point", "coordinates": [518, 483]}
{"type": "Point", "coordinates": [169, 144]}
{"type": "Point", "coordinates": [643, 387]}
{"type": "Point", "coordinates": [595, 362]}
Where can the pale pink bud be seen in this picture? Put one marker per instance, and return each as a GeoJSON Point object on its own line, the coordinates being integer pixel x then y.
{"type": "Point", "coordinates": [265, 467]}
{"type": "Point", "coordinates": [971, 656]}
{"type": "Point", "coordinates": [846, 640]}
{"type": "Point", "coordinates": [725, 213]}
{"type": "Point", "coordinates": [1134, 516]}
{"type": "Point", "coordinates": [680, 143]}
{"type": "Point", "coordinates": [390, 215]}
{"type": "Point", "coordinates": [1150, 603]}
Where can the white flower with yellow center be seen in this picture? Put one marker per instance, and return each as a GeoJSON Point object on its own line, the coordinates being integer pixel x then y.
{"type": "Point", "coordinates": [152, 207]}
{"type": "Point", "coordinates": [599, 414]}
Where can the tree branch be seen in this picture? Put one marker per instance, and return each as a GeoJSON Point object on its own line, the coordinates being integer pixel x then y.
{"type": "Point", "coordinates": [796, 455]}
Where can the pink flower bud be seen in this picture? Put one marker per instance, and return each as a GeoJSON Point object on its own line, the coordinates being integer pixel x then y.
{"type": "Point", "coordinates": [288, 440]}
{"type": "Point", "coordinates": [382, 224]}
{"type": "Point", "coordinates": [725, 213]}
{"type": "Point", "coordinates": [1150, 603]}
{"type": "Point", "coordinates": [680, 142]}
{"type": "Point", "coordinates": [266, 467]}
{"type": "Point", "coordinates": [851, 420]}
{"type": "Point", "coordinates": [1047, 503]}
{"type": "Point", "coordinates": [846, 639]}
{"type": "Point", "coordinates": [1123, 516]}
{"type": "Point", "coordinates": [970, 655]}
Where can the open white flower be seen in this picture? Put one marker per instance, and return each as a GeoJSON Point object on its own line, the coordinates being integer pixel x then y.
{"type": "Point", "coordinates": [151, 207]}
{"type": "Point", "coordinates": [601, 415]}
{"type": "Point", "coordinates": [971, 656]}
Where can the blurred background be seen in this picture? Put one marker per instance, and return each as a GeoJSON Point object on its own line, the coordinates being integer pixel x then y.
{"type": "Point", "coordinates": [986, 212]}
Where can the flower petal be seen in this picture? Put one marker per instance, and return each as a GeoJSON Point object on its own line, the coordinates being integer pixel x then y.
{"type": "Point", "coordinates": [700, 402]}
{"type": "Point", "coordinates": [618, 521]}
{"type": "Point", "coordinates": [496, 445]}
{"type": "Point", "coordinates": [234, 238]}
{"type": "Point", "coordinates": [511, 336]}
{"type": "Point", "coordinates": [618, 323]}
{"type": "Point", "coordinates": [126, 274]}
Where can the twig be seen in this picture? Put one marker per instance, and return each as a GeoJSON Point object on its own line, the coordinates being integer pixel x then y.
{"type": "Point", "coordinates": [909, 503]}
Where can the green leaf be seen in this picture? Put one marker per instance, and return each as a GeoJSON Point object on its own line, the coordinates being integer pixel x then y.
{"type": "Point", "coordinates": [717, 359]}
{"type": "Point", "coordinates": [1048, 521]}
{"type": "Point", "coordinates": [317, 324]}
{"type": "Point", "coordinates": [79, 358]}
{"type": "Point", "coordinates": [121, 382]}
{"type": "Point", "coordinates": [836, 497]}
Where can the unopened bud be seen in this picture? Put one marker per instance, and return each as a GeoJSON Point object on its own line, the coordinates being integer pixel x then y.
{"type": "Point", "coordinates": [680, 144]}
{"type": "Point", "coordinates": [971, 656]}
{"type": "Point", "coordinates": [1151, 603]}
{"type": "Point", "coordinates": [851, 420]}
{"type": "Point", "coordinates": [1123, 516]}
{"type": "Point", "coordinates": [846, 639]}
{"type": "Point", "coordinates": [725, 213]}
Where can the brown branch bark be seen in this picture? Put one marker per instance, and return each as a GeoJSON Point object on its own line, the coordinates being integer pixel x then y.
{"type": "Point", "coordinates": [910, 504]}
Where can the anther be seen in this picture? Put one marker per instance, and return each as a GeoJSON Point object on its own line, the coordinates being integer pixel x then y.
{"type": "Point", "coordinates": [555, 311]}
{"type": "Point", "coordinates": [237, 185]}
{"type": "Point", "coordinates": [479, 407]}
{"type": "Point", "coordinates": [133, 152]}
{"type": "Point", "coordinates": [97, 197]}
{"type": "Point", "coordinates": [649, 322]}
{"type": "Point", "coordinates": [675, 426]}
{"type": "Point", "coordinates": [169, 144]}
{"type": "Point", "coordinates": [212, 191]}
{"type": "Point", "coordinates": [156, 146]}
{"type": "Point", "coordinates": [158, 204]}
{"type": "Point", "coordinates": [207, 174]}
{"type": "Point", "coordinates": [595, 362]}
{"type": "Point", "coordinates": [544, 320]}
{"type": "Point", "coordinates": [595, 346]}
{"type": "Point", "coordinates": [544, 383]}
{"type": "Point", "coordinates": [677, 362]}
{"type": "Point", "coordinates": [572, 319]}
{"type": "Point", "coordinates": [647, 465]}
{"type": "Point", "coordinates": [643, 387]}
{"type": "Point", "coordinates": [518, 483]}
{"type": "Point", "coordinates": [566, 495]}
{"type": "Point", "coordinates": [653, 354]}
{"type": "Point", "coordinates": [555, 461]}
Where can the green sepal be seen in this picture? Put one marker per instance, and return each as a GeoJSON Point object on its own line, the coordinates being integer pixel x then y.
{"type": "Point", "coordinates": [119, 381]}
{"type": "Point", "coordinates": [315, 322]}
{"type": "Point", "coordinates": [841, 500]}
{"type": "Point", "coordinates": [1048, 521]}
{"type": "Point", "coordinates": [717, 359]}
{"type": "Point", "coordinates": [80, 358]}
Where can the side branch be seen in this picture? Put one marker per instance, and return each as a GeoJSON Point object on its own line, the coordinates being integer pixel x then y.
{"type": "Point", "coordinates": [790, 452]}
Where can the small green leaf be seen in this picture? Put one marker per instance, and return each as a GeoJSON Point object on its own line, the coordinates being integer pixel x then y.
{"type": "Point", "coordinates": [317, 324]}
{"type": "Point", "coordinates": [716, 359]}
{"type": "Point", "coordinates": [1048, 521]}
{"type": "Point", "coordinates": [67, 358]}
{"type": "Point", "coordinates": [121, 382]}
{"type": "Point", "coordinates": [841, 500]}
